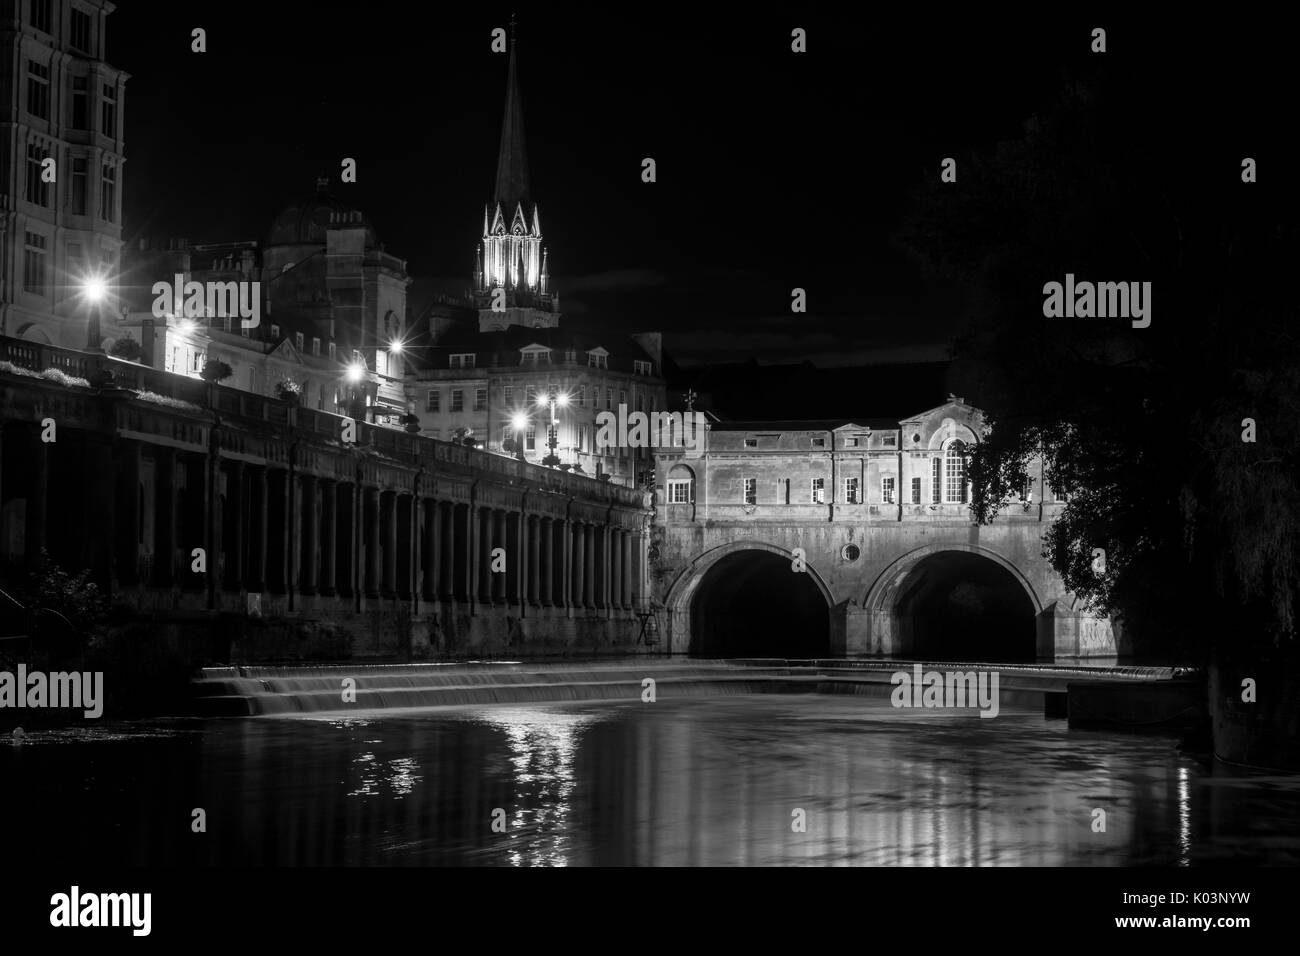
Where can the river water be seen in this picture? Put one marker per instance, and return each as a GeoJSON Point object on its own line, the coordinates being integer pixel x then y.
{"type": "Point", "coordinates": [714, 781]}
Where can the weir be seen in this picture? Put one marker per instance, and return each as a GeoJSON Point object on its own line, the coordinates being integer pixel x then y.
{"type": "Point", "coordinates": [1142, 693]}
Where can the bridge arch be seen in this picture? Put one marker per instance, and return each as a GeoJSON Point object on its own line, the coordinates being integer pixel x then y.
{"type": "Point", "coordinates": [742, 599]}
{"type": "Point", "coordinates": [959, 600]}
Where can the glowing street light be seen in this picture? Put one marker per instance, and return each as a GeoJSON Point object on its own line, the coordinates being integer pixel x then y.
{"type": "Point", "coordinates": [355, 373]}
{"type": "Point", "coordinates": [94, 289]}
{"type": "Point", "coordinates": [395, 347]}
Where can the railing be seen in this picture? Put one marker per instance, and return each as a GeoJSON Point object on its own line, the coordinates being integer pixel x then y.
{"type": "Point", "coordinates": [234, 403]}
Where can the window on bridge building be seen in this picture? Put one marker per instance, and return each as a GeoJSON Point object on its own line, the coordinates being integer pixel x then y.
{"type": "Point", "coordinates": [936, 481]}
{"type": "Point", "coordinates": [887, 489]}
{"type": "Point", "coordinates": [480, 399]}
{"type": "Point", "coordinates": [530, 438]}
{"type": "Point", "coordinates": [819, 491]}
{"type": "Point", "coordinates": [751, 491]}
{"type": "Point", "coordinates": [916, 491]}
{"type": "Point", "coordinates": [680, 491]}
{"type": "Point", "coordinates": [852, 490]}
{"type": "Point", "coordinates": [433, 400]}
{"type": "Point", "coordinates": [955, 473]}
{"type": "Point", "coordinates": [508, 394]}
{"type": "Point", "coordinates": [457, 400]}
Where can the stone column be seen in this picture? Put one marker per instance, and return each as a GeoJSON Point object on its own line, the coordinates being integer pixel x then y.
{"type": "Point", "coordinates": [579, 564]}
{"type": "Point", "coordinates": [484, 529]}
{"type": "Point", "coordinates": [388, 515]}
{"type": "Point", "coordinates": [534, 560]}
{"type": "Point", "coordinates": [371, 522]}
{"type": "Point", "coordinates": [445, 515]}
{"type": "Point", "coordinates": [164, 514]}
{"type": "Point", "coordinates": [430, 555]}
{"type": "Point", "coordinates": [260, 524]}
{"type": "Point", "coordinates": [546, 564]}
{"type": "Point", "coordinates": [629, 595]}
{"type": "Point", "coordinates": [616, 567]}
{"type": "Point", "coordinates": [589, 566]}
{"type": "Point", "coordinates": [237, 505]}
{"type": "Point", "coordinates": [128, 508]}
{"type": "Point", "coordinates": [497, 536]}
{"type": "Point", "coordinates": [329, 537]}
{"type": "Point", "coordinates": [308, 518]}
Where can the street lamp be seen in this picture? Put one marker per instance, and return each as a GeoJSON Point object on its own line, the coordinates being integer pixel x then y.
{"type": "Point", "coordinates": [520, 422]}
{"type": "Point", "coordinates": [94, 290]}
{"type": "Point", "coordinates": [552, 398]}
{"type": "Point", "coordinates": [355, 375]}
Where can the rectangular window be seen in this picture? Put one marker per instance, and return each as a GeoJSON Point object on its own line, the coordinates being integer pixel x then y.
{"type": "Point", "coordinates": [530, 396]}
{"type": "Point", "coordinates": [80, 102]}
{"type": "Point", "coordinates": [570, 356]}
{"type": "Point", "coordinates": [530, 438]}
{"type": "Point", "coordinates": [916, 491]}
{"type": "Point", "coordinates": [889, 441]}
{"type": "Point", "coordinates": [297, 341]}
{"type": "Point", "coordinates": [819, 442]}
{"type": "Point", "coordinates": [582, 395]}
{"type": "Point", "coordinates": [38, 11]}
{"type": "Point", "coordinates": [37, 191]}
{"type": "Point", "coordinates": [887, 489]}
{"type": "Point", "coordinates": [38, 90]}
{"type": "Point", "coordinates": [462, 360]}
{"type": "Point", "coordinates": [108, 194]}
{"type": "Point", "coordinates": [609, 399]}
{"type": "Point", "coordinates": [850, 443]}
{"type": "Point", "coordinates": [622, 396]}
{"type": "Point", "coordinates": [508, 395]}
{"type": "Point", "coordinates": [315, 345]}
{"type": "Point", "coordinates": [640, 368]}
{"type": "Point", "coordinates": [331, 350]}
{"type": "Point", "coordinates": [956, 478]}
{"type": "Point", "coordinates": [936, 482]}
{"type": "Point", "coordinates": [597, 361]}
{"type": "Point", "coordinates": [480, 399]}
{"type": "Point", "coordinates": [77, 195]}
{"type": "Point", "coordinates": [34, 264]}
{"type": "Point", "coordinates": [679, 491]}
{"type": "Point", "coordinates": [275, 333]}
{"type": "Point", "coordinates": [433, 400]}
{"type": "Point", "coordinates": [457, 400]}
{"type": "Point", "coordinates": [751, 442]}
{"type": "Point", "coordinates": [108, 111]}
{"type": "Point", "coordinates": [79, 33]}
{"type": "Point", "coordinates": [751, 491]}
{"type": "Point", "coordinates": [819, 491]}
{"type": "Point", "coordinates": [852, 486]}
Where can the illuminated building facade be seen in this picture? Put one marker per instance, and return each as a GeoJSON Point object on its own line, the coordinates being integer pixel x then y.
{"type": "Point", "coordinates": [61, 215]}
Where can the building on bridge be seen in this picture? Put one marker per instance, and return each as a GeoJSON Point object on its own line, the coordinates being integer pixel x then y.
{"type": "Point", "coordinates": [855, 538]}
{"type": "Point", "coordinates": [62, 160]}
{"type": "Point", "coordinates": [490, 374]}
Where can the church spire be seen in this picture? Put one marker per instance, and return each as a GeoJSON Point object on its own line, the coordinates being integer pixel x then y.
{"type": "Point", "coordinates": [512, 160]}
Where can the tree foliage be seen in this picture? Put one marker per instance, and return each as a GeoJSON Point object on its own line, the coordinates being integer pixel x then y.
{"type": "Point", "coordinates": [1140, 428]}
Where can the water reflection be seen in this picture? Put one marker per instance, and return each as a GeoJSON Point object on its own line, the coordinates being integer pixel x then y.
{"type": "Point", "coordinates": [679, 782]}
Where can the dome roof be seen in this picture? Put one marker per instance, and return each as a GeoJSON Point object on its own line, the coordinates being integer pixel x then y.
{"type": "Point", "coordinates": [304, 223]}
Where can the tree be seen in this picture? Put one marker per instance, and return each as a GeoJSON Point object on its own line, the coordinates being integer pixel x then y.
{"type": "Point", "coordinates": [1141, 428]}
{"type": "Point", "coordinates": [214, 371]}
{"type": "Point", "coordinates": [127, 348]}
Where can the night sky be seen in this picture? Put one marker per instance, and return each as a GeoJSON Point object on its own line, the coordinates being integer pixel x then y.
{"type": "Point", "coordinates": [775, 170]}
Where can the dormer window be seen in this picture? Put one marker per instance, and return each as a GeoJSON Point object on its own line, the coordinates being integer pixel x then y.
{"type": "Point", "coordinates": [535, 355]}
{"type": "Point", "coordinates": [640, 368]}
{"type": "Point", "coordinates": [462, 360]}
{"type": "Point", "coordinates": [598, 358]}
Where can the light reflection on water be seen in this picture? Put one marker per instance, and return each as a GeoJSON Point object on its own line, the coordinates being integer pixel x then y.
{"type": "Point", "coordinates": [677, 782]}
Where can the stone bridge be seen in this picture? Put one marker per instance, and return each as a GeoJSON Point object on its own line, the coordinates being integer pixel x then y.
{"type": "Point", "coordinates": [846, 538]}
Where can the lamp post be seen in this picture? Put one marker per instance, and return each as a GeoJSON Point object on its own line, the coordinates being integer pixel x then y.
{"type": "Point", "coordinates": [553, 398]}
{"type": "Point", "coordinates": [94, 289]}
{"type": "Point", "coordinates": [355, 376]}
{"type": "Point", "coordinates": [519, 421]}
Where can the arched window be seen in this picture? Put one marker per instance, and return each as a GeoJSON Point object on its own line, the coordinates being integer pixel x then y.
{"type": "Point", "coordinates": [955, 473]}
{"type": "Point", "coordinates": [680, 489]}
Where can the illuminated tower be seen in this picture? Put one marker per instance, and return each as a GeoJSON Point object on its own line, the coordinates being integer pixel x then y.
{"type": "Point", "coordinates": [511, 268]}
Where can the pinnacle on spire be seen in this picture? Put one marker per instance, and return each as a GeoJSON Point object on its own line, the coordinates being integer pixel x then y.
{"type": "Point", "coordinates": [512, 160]}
